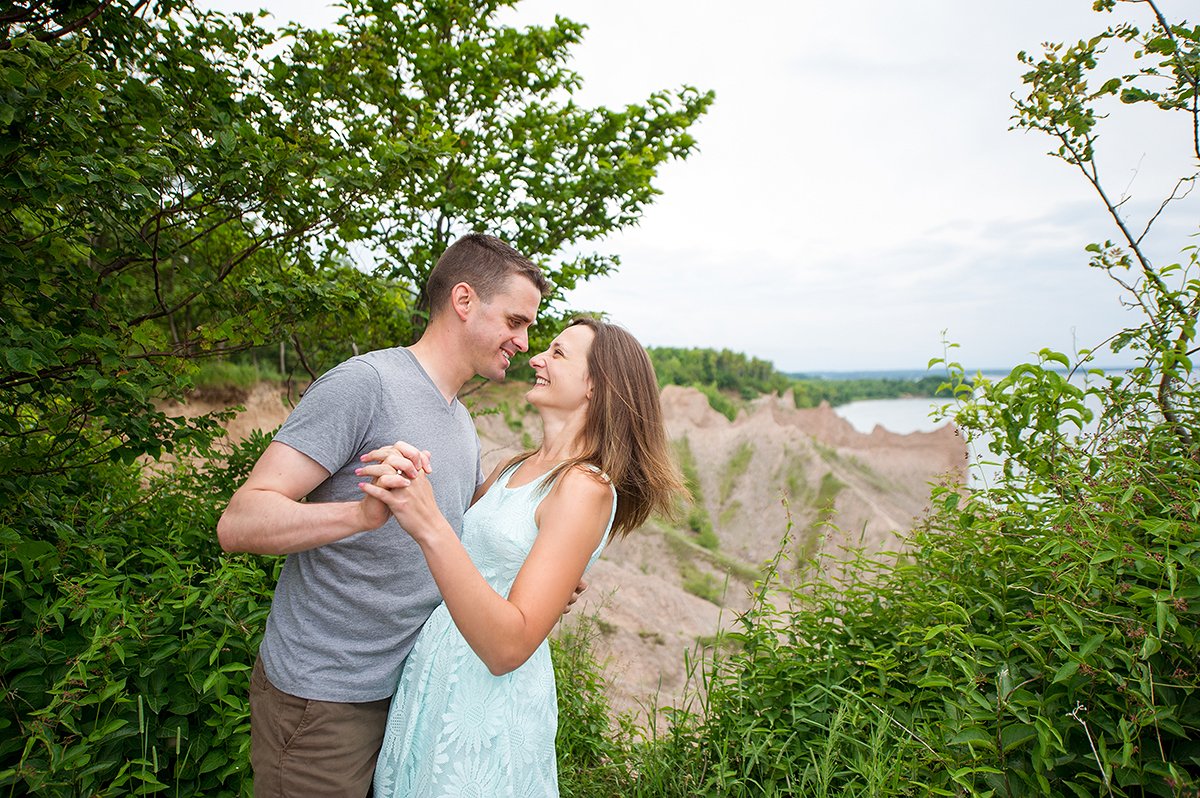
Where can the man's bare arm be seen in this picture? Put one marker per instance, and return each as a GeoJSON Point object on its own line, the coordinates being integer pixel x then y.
{"type": "Point", "coordinates": [266, 516]}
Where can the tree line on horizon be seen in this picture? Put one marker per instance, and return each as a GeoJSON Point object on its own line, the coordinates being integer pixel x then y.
{"type": "Point", "coordinates": [723, 374]}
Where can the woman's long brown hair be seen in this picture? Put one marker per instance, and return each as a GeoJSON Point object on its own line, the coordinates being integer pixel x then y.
{"type": "Point", "coordinates": [624, 435]}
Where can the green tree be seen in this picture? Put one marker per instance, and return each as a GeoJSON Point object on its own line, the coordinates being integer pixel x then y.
{"type": "Point", "coordinates": [171, 193]}
{"type": "Point", "coordinates": [510, 150]}
{"type": "Point", "coordinates": [177, 184]}
{"type": "Point", "coordinates": [155, 207]}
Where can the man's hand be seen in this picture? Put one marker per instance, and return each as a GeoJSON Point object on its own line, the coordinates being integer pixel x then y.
{"type": "Point", "coordinates": [579, 588]}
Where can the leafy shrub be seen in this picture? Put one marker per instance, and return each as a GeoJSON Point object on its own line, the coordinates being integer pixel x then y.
{"type": "Point", "coordinates": [127, 634]}
{"type": "Point", "coordinates": [1020, 649]}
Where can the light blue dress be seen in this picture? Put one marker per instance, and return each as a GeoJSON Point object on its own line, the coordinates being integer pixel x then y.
{"type": "Point", "coordinates": [454, 729]}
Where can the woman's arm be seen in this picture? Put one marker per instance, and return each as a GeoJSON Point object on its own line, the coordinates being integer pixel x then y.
{"type": "Point", "coordinates": [504, 632]}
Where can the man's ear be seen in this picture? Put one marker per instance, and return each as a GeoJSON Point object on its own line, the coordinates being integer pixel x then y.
{"type": "Point", "coordinates": [462, 299]}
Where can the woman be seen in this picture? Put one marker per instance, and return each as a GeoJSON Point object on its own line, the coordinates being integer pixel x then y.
{"type": "Point", "coordinates": [475, 710]}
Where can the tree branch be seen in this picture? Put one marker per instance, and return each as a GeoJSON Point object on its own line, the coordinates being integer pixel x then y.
{"type": "Point", "coordinates": [1183, 71]}
{"type": "Point", "coordinates": [1174, 196]}
{"type": "Point", "coordinates": [300, 354]}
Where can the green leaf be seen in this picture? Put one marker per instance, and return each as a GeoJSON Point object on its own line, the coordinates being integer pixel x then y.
{"type": "Point", "coordinates": [1092, 644]}
{"type": "Point", "coordinates": [974, 736]}
{"type": "Point", "coordinates": [1015, 735]}
{"type": "Point", "coordinates": [1065, 672]}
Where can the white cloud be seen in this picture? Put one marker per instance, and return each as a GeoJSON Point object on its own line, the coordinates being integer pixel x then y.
{"type": "Point", "coordinates": [857, 189]}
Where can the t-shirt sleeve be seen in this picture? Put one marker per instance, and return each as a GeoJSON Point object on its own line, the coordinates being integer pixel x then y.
{"type": "Point", "coordinates": [331, 422]}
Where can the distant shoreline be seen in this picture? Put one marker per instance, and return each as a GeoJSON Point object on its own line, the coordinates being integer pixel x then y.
{"type": "Point", "coordinates": [916, 374]}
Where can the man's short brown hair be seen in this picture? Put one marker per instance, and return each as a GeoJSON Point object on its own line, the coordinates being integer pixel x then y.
{"type": "Point", "coordinates": [483, 262]}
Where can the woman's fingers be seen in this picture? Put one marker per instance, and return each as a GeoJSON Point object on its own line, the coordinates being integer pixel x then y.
{"type": "Point", "coordinates": [418, 457]}
{"type": "Point", "coordinates": [384, 475]}
{"type": "Point", "coordinates": [402, 457]}
{"type": "Point", "coordinates": [395, 462]}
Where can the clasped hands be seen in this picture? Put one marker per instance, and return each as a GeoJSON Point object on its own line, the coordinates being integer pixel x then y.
{"type": "Point", "coordinates": [399, 486]}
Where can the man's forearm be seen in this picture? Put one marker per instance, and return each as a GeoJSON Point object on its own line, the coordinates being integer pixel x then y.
{"type": "Point", "coordinates": [268, 522]}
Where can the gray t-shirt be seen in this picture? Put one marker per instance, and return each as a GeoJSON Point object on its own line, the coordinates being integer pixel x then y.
{"type": "Point", "coordinates": [346, 614]}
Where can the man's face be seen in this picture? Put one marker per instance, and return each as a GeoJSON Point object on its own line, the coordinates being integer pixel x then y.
{"type": "Point", "coordinates": [499, 328]}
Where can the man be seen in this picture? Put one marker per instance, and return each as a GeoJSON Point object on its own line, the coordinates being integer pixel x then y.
{"type": "Point", "coordinates": [355, 589]}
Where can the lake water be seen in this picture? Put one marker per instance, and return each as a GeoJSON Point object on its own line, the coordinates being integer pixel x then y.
{"type": "Point", "coordinates": [895, 415]}
{"type": "Point", "coordinates": [913, 415]}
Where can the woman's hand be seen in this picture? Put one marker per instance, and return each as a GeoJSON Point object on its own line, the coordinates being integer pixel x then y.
{"type": "Point", "coordinates": [403, 458]}
{"type": "Point", "coordinates": [399, 484]}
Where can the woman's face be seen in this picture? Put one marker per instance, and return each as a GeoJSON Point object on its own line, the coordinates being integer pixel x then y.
{"type": "Point", "coordinates": [561, 378]}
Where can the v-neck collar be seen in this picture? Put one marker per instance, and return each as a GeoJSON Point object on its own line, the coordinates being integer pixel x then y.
{"type": "Point", "coordinates": [450, 406]}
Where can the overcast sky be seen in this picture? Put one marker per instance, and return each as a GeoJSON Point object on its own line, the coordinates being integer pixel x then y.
{"type": "Point", "coordinates": [857, 190]}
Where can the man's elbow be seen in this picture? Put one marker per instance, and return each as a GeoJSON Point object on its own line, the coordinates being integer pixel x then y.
{"type": "Point", "coordinates": [227, 532]}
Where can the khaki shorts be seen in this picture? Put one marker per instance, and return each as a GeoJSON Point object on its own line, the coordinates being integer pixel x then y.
{"type": "Point", "coordinates": [305, 748]}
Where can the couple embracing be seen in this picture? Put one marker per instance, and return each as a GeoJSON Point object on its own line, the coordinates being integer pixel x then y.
{"type": "Point", "coordinates": [406, 644]}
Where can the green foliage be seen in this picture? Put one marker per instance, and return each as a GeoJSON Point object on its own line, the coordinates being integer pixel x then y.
{"type": "Point", "coordinates": [702, 583]}
{"type": "Point", "coordinates": [719, 401]}
{"type": "Point", "coordinates": [584, 746]}
{"type": "Point", "coordinates": [726, 377]}
{"type": "Point", "coordinates": [127, 634]}
{"type": "Point", "coordinates": [170, 192]}
{"type": "Point", "coordinates": [724, 371]}
{"type": "Point", "coordinates": [155, 208]}
{"type": "Point", "coordinates": [699, 521]}
{"type": "Point", "coordinates": [509, 151]}
{"type": "Point", "coordinates": [697, 518]}
{"type": "Point", "coordinates": [224, 375]}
